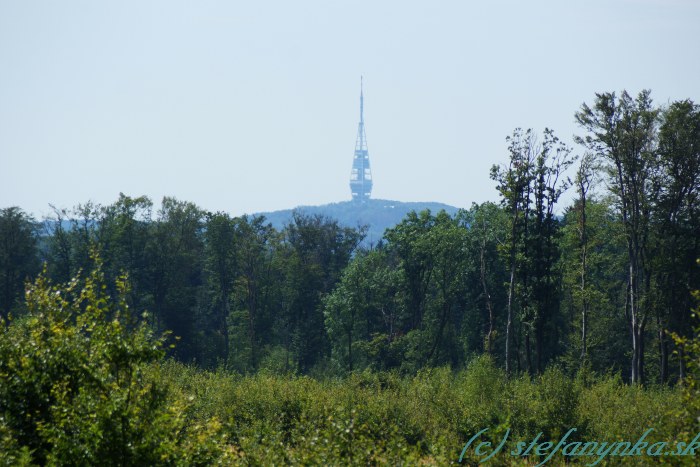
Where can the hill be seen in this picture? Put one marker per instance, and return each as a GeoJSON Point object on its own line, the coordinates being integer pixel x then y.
{"type": "Point", "coordinates": [377, 214]}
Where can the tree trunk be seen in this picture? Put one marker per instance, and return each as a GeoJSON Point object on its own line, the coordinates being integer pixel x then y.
{"type": "Point", "coordinates": [584, 297]}
{"type": "Point", "coordinates": [489, 335]}
{"type": "Point", "coordinates": [511, 291]}
{"type": "Point", "coordinates": [663, 355]}
{"type": "Point", "coordinates": [528, 356]}
{"type": "Point", "coordinates": [350, 350]}
{"type": "Point", "coordinates": [509, 325]}
{"type": "Point", "coordinates": [642, 378]}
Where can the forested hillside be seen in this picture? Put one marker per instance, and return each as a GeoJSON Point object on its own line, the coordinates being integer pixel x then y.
{"type": "Point", "coordinates": [376, 215]}
{"type": "Point", "coordinates": [526, 290]}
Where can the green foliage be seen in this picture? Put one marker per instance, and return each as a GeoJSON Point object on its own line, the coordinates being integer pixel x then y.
{"type": "Point", "coordinates": [18, 257]}
{"type": "Point", "coordinates": [428, 259]}
{"type": "Point", "coordinates": [689, 347]}
{"type": "Point", "coordinates": [530, 186]}
{"type": "Point", "coordinates": [317, 250]}
{"type": "Point", "coordinates": [175, 255]}
{"type": "Point", "coordinates": [605, 257]}
{"type": "Point", "coordinates": [544, 404]}
{"type": "Point", "coordinates": [382, 418]}
{"type": "Point", "coordinates": [610, 409]}
{"type": "Point", "coordinates": [361, 313]}
{"type": "Point", "coordinates": [622, 133]}
{"type": "Point", "coordinates": [74, 387]}
{"type": "Point", "coordinates": [82, 381]}
{"type": "Point", "coordinates": [240, 351]}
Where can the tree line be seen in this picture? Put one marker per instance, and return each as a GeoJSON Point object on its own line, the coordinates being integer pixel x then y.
{"type": "Point", "coordinates": [600, 283]}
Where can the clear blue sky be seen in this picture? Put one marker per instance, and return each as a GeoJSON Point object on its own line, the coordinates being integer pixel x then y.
{"type": "Point", "coordinates": [253, 106]}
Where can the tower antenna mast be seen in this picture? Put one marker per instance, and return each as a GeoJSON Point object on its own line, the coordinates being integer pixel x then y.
{"type": "Point", "coordinates": [362, 102]}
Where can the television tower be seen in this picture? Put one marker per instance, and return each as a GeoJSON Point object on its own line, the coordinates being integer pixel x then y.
{"type": "Point", "coordinates": [361, 175]}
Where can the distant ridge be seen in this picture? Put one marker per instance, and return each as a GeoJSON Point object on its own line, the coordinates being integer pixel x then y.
{"type": "Point", "coordinates": [378, 214]}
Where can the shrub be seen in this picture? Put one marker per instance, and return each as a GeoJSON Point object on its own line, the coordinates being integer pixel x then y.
{"type": "Point", "coordinates": [73, 385]}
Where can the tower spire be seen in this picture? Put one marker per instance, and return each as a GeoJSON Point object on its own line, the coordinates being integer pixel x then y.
{"type": "Point", "coordinates": [362, 103]}
{"type": "Point", "coordinates": [361, 175]}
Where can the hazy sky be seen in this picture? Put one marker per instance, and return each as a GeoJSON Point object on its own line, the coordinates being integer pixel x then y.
{"type": "Point", "coordinates": [253, 106]}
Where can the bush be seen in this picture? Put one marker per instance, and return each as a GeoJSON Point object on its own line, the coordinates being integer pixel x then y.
{"type": "Point", "coordinates": [74, 389]}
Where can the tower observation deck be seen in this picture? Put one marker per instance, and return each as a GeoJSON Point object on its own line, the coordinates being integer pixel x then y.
{"type": "Point", "coordinates": [361, 175]}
